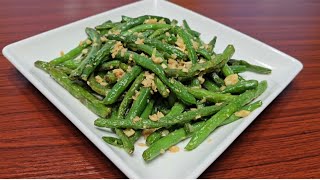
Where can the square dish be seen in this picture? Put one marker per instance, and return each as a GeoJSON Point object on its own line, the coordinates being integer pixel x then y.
{"type": "Point", "coordinates": [179, 165]}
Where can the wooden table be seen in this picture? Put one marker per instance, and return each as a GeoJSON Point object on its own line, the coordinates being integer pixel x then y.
{"type": "Point", "coordinates": [37, 141]}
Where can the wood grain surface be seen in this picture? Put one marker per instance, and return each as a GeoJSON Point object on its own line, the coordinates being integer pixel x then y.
{"type": "Point", "coordinates": [37, 141]}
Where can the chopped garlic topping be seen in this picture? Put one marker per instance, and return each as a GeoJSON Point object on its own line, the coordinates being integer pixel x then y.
{"type": "Point", "coordinates": [139, 41]}
{"type": "Point", "coordinates": [231, 79]}
{"type": "Point", "coordinates": [164, 66]}
{"type": "Point", "coordinates": [123, 50]}
{"type": "Point", "coordinates": [167, 34]}
{"type": "Point", "coordinates": [149, 81]}
{"type": "Point", "coordinates": [195, 44]}
{"type": "Point", "coordinates": [129, 132]}
{"type": "Point", "coordinates": [103, 38]}
{"type": "Point", "coordinates": [117, 47]}
{"type": "Point", "coordinates": [172, 64]}
{"type": "Point", "coordinates": [164, 132]}
{"type": "Point", "coordinates": [155, 59]}
{"type": "Point", "coordinates": [161, 21]}
{"type": "Point", "coordinates": [201, 61]}
{"type": "Point", "coordinates": [118, 73]}
{"type": "Point", "coordinates": [98, 79]}
{"type": "Point", "coordinates": [174, 149]}
{"type": "Point", "coordinates": [84, 51]}
{"type": "Point", "coordinates": [136, 119]}
{"type": "Point", "coordinates": [150, 21]}
{"type": "Point", "coordinates": [180, 44]}
{"type": "Point", "coordinates": [88, 41]}
{"type": "Point", "coordinates": [156, 116]}
{"type": "Point", "coordinates": [137, 93]}
{"type": "Point", "coordinates": [141, 144]}
{"type": "Point", "coordinates": [147, 132]}
{"type": "Point", "coordinates": [222, 88]}
{"type": "Point", "coordinates": [242, 113]}
{"type": "Point", "coordinates": [201, 79]}
{"type": "Point", "coordinates": [198, 117]}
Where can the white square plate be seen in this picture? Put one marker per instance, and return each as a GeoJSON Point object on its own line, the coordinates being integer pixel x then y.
{"type": "Point", "coordinates": [46, 46]}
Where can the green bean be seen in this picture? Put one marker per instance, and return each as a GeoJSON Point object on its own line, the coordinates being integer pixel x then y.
{"type": "Point", "coordinates": [148, 109]}
{"type": "Point", "coordinates": [95, 37]}
{"type": "Point", "coordinates": [118, 142]}
{"type": "Point", "coordinates": [65, 70]}
{"type": "Point", "coordinates": [127, 144]}
{"type": "Point", "coordinates": [92, 63]}
{"type": "Point", "coordinates": [107, 25]}
{"type": "Point", "coordinates": [176, 109]}
{"type": "Point", "coordinates": [199, 136]}
{"type": "Point", "coordinates": [151, 51]}
{"type": "Point", "coordinates": [162, 122]}
{"type": "Point", "coordinates": [238, 68]}
{"type": "Point", "coordinates": [158, 134]}
{"type": "Point", "coordinates": [100, 88]}
{"type": "Point", "coordinates": [191, 51]}
{"type": "Point", "coordinates": [249, 107]}
{"type": "Point", "coordinates": [71, 64]}
{"type": "Point", "coordinates": [251, 67]}
{"type": "Point", "coordinates": [158, 32]}
{"type": "Point", "coordinates": [139, 104]}
{"type": "Point", "coordinates": [147, 63]}
{"type": "Point", "coordinates": [195, 83]}
{"type": "Point", "coordinates": [113, 141]}
{"type": "Point", "coordinates": [206, 67]}
{"type": "Point", "coordinates": [217, 79]}
{"type": "Point", "coordinates": [209, 85]}
{"type": "Point", "coordinates": [121, 85]}
{"type": "Point", "coordinates": [240, 87]}
{"type": "Point", "coordinates": [147, 33]}
{"type": "Point", "coordinates": [204, 53]}
{"type": "Point", "coordinates": [70, 55]}
{"type": "Point", "coordinates": [125, 18]}
{"type": "Point", "coordinates": [128, 96]}
{"type": "Point", "coordinates": [226, 70]}
{"type": "Point", "coordinates": [110, 78]}
{"type": "Point", "coordinates": [76, 90]}
{"type": "Point", "coordinates": [139, 20]}
{"type": "Point", "coordinates": [166, 142]}
{"type": "Point", "coordinates": [162, 88]}
{"type": "Point", "coordinates": [106, 66]}
{"type": "Point", "coordinates": [189, 30]}
{"type": "Point", "coordinates": [144, 27]}
{"type": "Point", "coordinates": [159, 45]}
{"type": "Point", "coordinates": [212, 44]}
{"type": "Point", "coordinates": [210, 96]}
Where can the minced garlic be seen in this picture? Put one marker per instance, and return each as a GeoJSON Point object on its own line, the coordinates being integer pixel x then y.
{"type": "Point", "coordinates": [139, 41]}
{"type": "Point", "coordinates": [242, 113]}
{"type": "Point", "coordinates": [174, 149]}
{"type": "Point", "coordinates": [180, 44]}
{"type": "Point", "coordinates": [231, 79]}
{"type": "Point", "coordinates": [129, 132]}
{"type": "Point", "coordinates": [156, 116]}
{"type": "Point", "coordinates": [150, 21]}
{"type": "Point", "coordinates": [117, 47]}
{"type": "Point", "coordinates": [155, 59]}
{"type": "Point", "coordinates": [161, 21]}
{"type": "Point", "coordinates": [149, 81]}
{"type": "Point", "coordinates": [136, 119]}
{"type": "Point", "coordinates": [137, 93]}
{"type": "Point", "coordinates": [118, 73]}
{"type": "Point", "coordinates": [147, 132]}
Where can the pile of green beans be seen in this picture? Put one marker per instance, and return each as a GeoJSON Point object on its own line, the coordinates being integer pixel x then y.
{"type": "Point", "coordinates": [148, 74]}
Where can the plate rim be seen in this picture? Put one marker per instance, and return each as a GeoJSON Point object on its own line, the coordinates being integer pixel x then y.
{"type": "Point", "coordinates": [108, 152]}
